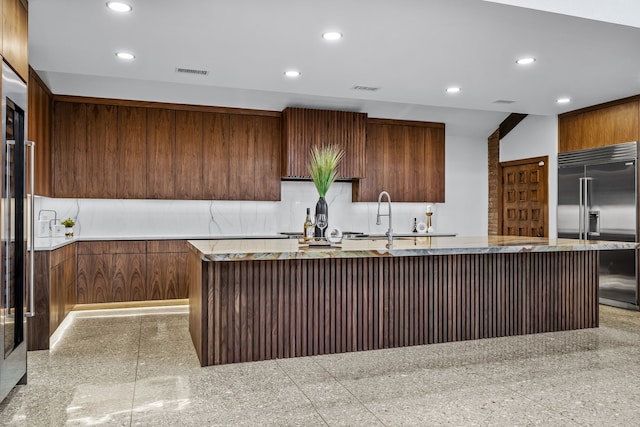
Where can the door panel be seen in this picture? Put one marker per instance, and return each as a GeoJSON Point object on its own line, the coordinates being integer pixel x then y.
{"type": "Point", "coordinates": [524, 198]}
{"type": "Point", "coordinates": [569, 201]}
{"type": "Point", "coordinates": [612, 201]}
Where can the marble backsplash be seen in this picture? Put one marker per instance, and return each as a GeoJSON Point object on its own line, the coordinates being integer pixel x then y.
{"type": "Point", "coordinates": [201, 218]}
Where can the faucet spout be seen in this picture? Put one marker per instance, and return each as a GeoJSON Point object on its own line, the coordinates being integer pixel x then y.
{"type": "Point", "coordinates": [388, 214]}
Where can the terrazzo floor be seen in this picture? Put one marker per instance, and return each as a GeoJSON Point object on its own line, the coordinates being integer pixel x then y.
{"type": "Point", "coordinates": [137, 367]}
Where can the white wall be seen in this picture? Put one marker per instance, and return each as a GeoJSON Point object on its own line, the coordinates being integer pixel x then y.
{"type": "Point", "coordinates": [536, 136]}
{"type": "Point", "coordinates": [465, 210]}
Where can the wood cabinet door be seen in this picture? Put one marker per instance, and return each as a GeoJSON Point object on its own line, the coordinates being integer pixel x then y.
{"type": "Point", "coordinates": [70, 149]}
{"type": "Point", "coordinates": [69, 279]}
{"type": "Point", "coordinates": [101, 155]}
{"type": "Point", "coordinates": [128, 277]}
{"type": "Point", "coordinates": [15, 46]}
{"type": "Point", "coordinates": [161, 132]}
{"type": "Point", "coordinates": [267, 159]}
{"type": "Point", "coordinates": [406, 159]}
{"type": "Point", "coordinates": [94, 279]}
{"type": "Point", "coordinates": [215, 167]}
{"type": "Point", "coordinates": [302, 128]}
{"type": "Point", "coordinates": [40, 114]}
{"type": "Point", "coordinates": [614, 124]}
{"type": "Point", "coordinates": [132, 153]}
{"type": "Point", "coordinates": [189, 155]}
{"type": "Point", "coordinates": [242, 157]}
{"type": "Point", "coordinates": [167, 276]}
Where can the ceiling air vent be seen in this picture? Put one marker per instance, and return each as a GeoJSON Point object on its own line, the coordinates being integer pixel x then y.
{"type": "Point", "coordinates": [367, 88]}
{"type": "Point", "coordinates": [192, 71]}
{"type": "Point", "coordinates": [503, 101]}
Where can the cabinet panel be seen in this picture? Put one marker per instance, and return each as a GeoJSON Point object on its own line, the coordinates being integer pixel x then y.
{"type": "Point", "coordinates": [93, 248]}
{"type": "Point", "coordinates": [40, 114]}
{"type": "Point", "coordinates": [127, 247]}
{"type": "Point", "coordinates": [167, 246]}
{"type": "Point", "coordinates": [242, 154]}
{"type": "Point", "coordinates": [69, 287]}
{"type": "Point", "coordinates": [132, 153]}
{"type": "Point", "coordinates": [102, 140]}
{"type": "Point", "coordinates": [128, 277]}
{"type": "Point", "coordinates": [599, 127]}
{"type": "Point", "coordinates": [303, 128]}
{"type": "Point", "coordinates": [161, 130]}
{"type": "Point", "coordinates": [167, 276]}
{"type": "Point", "coordinates": [70, 150]}
{"type": "Point", "coordinates": [14, 36]}
{"type": "Point", "coordinates": [405, 159]}
{"type": "Point", "coordinates": [189, 155]}
{"type": "Point", "coordinates": [94, 279]}
{"type": "Point", "coordinates": [435, 164]}
{"type": "Point", "coordinates": [267, 159]}
{"type": "Point", "coordinates": [215, 168]}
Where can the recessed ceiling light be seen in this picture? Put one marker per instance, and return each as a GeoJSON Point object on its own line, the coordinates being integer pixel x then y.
{"type": "Point", "coordinates": [454, 89]}
{"type": "Point", "coordinates": [292, 73]}
{"type": "Point", "coordinates": [332, 35]}
{"type": "Point", "coordinates": [563, 100]}
{"type": "Point", "coordinates": [526, 61]}
{"type": "Point", "coordinates": [125, 55]}
{"type": "Point", "coordinates": [118, 6]}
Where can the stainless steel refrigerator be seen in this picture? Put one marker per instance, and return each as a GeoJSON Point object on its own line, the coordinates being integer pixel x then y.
{"type": "Point", "coordinates": [16, 285]}
{"type": "Point", "coordinates": [597, 200]}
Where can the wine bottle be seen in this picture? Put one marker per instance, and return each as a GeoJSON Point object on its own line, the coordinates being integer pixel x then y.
{"type": "Point", "coordinates": [309, 229]}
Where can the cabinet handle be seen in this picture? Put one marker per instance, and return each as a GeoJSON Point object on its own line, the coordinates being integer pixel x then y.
{"type": "Point", "coordinates": [32, 235]}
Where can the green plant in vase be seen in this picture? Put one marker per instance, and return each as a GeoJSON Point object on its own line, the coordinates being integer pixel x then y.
{"type": "Point", "coordinates": [323, 171]}
{"type": "Point", "coordinates": [68, 224]}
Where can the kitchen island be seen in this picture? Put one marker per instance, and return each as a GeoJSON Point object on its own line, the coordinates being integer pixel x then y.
{"type": "Point", "coordinates": [266, 299]}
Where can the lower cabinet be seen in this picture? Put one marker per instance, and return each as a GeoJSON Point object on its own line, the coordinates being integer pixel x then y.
{"type": "Point", "coordinates": [124, 271]}
{"type": "Point", "coordinates": [166, 270]}
{"type": "Point", "coordinates": [103, 272]}
{"type": "Point", "coordinates": [55, 294]}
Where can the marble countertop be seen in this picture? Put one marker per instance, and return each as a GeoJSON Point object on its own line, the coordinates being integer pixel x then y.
{"type": "Point", "coordinates": [263, 249]}
{"type": "Point", "coordinates": [51, 243]}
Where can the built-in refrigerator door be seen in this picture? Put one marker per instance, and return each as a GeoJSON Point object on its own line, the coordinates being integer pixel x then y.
{"type": "Point", "coordinates": [570, 181]}
{"type": "Point", "coordinates": [611, 215]}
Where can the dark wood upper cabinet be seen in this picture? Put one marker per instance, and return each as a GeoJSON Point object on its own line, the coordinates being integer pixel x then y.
{"type": "Point", "coordinates": [161, 133]}
{"type": "Point", "coordinates": [303, 128]}
{"type": "Point", "coordinates": [267, 160]}
{"type": "Point", "coordinates": [189, 155]}
{"type": "Point", "coordinates": [132, 153]}
{"type": "Point", "coordinates": [70, 149]}
{"type": "Point", "coordinates": [15, 26]}
{"type": "Point", "coordinates": [404, 158]}
{"type": "Point", "coordinates": [116, 150]}
{"type": "Point", "coordinates": [40, 123]}
{"type": "Point", "coordinates": [102, 147]}
{"type": "Point", "coordinates": [601, 125]}
{"type": "Point", "coordinates": [215, 146]}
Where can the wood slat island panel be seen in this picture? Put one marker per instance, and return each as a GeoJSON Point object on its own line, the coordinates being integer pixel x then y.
{"type": "Point", "coordinates": [267, 309]}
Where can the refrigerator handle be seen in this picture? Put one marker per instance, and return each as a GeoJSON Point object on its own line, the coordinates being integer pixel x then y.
{"type": "Point", "coordinates": [7, 270]}
{"type": "Point", "coordinates": [32, 234]}
{"type": "Point", "coordinates": [581, 209]}
{"type": "Point", "coordinates": [586, 209]}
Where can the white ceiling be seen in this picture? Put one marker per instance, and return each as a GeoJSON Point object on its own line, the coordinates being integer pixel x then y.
{"type": "Point", "coordinates": [411, 49]}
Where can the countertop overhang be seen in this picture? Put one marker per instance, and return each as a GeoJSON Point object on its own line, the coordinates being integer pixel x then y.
{"type": "Point", "coordinates": [269, 249]}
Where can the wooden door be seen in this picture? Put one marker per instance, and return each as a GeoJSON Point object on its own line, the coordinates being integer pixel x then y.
{"type": "Point", "coordinates": [525, 198]}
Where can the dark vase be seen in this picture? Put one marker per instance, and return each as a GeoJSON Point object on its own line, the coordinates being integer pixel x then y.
{"type": "Point", "coordinates": [321, 208]}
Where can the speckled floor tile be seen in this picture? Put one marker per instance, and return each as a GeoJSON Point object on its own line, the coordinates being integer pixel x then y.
{"type": "Point", "coordinates": [139, 368]}
{"type": "Point", "coordinates": [336, 404]}
{"type": "Point", "coordinates": [591, 397]}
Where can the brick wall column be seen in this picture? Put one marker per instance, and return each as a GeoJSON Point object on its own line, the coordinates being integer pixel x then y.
{"type": "Point", "coordinates": [495, 188]}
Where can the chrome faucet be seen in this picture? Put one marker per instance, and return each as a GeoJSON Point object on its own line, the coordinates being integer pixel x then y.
{"type": "Point", "coordinates": [55, 217]}
{"type": "Point", "coordinates": [378, 222]}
